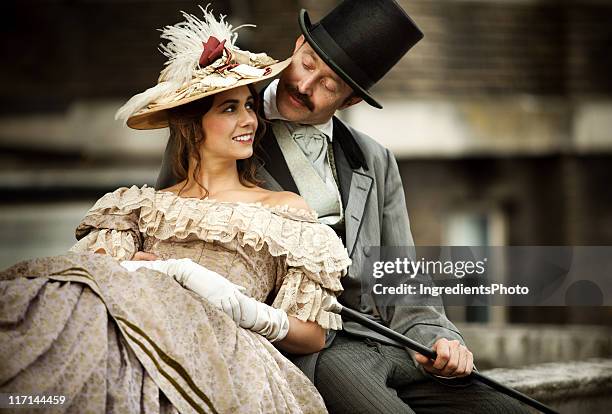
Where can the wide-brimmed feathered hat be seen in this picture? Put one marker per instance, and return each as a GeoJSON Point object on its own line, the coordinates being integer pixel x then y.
{"type": "Point", "coordinates": [203, 60]}
{"type": "Point", "coordinates": [361, 40]}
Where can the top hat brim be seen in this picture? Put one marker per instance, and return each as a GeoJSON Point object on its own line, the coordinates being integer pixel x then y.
{"type": "Point", "coordinates": [320, 45]}
{"type": "Point", "coordinates": [156, 117]}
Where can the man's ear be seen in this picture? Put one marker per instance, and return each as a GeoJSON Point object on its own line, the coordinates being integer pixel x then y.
{"type": "Point", "coordinates": [298, 43]}
{"type": "Point", "coordinates": [351, 101]}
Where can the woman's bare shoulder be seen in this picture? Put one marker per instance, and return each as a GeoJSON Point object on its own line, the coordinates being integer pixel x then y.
{"type": "Point", "coordinates": [282, 198]}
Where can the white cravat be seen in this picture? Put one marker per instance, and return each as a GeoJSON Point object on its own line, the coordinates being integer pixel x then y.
{"type": "Point", "coordinates": [313, 144]}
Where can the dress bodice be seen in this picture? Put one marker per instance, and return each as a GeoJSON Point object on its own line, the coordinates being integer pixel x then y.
{"type": "Point", "coordinates": [281, 255]}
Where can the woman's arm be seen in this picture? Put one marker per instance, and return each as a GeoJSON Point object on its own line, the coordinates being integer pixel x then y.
{"type": "Point", "coordinates": [303, 337]}
{"type": "Point", "coordinates": [121, 245]}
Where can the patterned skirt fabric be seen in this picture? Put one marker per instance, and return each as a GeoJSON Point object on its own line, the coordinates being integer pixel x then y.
{"type": "Point", "coordinates": [109, 340]}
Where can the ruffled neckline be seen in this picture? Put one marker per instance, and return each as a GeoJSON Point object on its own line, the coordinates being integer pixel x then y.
{"type": "Point", "coordinates": [293, 233]}
{"type": "Point", "coordinates": [285, 210]}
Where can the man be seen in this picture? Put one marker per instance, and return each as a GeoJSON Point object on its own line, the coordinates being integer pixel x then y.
{"type": "Point", "coordinates": [354, 185]}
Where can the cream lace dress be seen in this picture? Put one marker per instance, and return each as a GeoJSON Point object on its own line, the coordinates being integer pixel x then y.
{"type": "Point", "coordinates": [118, 341]}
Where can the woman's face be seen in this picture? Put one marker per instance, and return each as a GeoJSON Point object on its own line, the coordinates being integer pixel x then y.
{"type": "Point", "coordinates": [230, 124]}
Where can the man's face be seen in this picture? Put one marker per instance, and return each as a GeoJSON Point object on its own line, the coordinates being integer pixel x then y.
{"type": "Point", "coordinates": [309, 92]}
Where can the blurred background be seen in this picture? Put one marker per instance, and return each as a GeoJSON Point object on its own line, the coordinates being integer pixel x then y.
{"type": "Point", "coordinates": [501, 120]}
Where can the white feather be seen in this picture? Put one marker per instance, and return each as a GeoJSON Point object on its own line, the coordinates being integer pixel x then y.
{"type": "Point", "coordinates": [183, 51]}
{"type": "Point", "coordinates": [185, 39]}
{"type": "Point", "coordinates": [137, 102]}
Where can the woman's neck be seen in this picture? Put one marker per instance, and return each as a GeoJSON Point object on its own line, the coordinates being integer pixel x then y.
{"type": "Point", "coordinates": [215, 176]}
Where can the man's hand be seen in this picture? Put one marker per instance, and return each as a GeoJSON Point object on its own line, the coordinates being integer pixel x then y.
{"type": "Point", "coordinates": [144, 256]}
{"type": "Point", "coordinates": [454, 359]}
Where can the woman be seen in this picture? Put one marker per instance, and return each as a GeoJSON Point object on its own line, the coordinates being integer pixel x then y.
{"type": "Point", "coordinates": [253, 266]}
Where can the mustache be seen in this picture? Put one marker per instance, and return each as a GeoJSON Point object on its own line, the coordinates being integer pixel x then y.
{"type": "Point", "coordinates": [304, 99]}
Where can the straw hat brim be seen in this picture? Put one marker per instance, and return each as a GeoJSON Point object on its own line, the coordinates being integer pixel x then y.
{"type": "Point", "coordinates": [156, 117]}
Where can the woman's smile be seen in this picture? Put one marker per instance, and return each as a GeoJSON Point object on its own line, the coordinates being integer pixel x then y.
{"type": "Point", "coordinates": [244, 139]}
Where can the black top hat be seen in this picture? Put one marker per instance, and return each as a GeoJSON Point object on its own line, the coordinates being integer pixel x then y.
{"type": "Point", "coordinates": [361, 40]}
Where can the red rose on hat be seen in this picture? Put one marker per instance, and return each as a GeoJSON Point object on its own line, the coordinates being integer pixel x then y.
{"type": "Point", "coordinates": [213, 50]}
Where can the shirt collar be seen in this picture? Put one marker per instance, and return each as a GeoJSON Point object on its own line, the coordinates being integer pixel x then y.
{"type": "Point", "coordinates": [271, 110]}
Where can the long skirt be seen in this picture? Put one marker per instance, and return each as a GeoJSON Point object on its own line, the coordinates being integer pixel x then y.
{"type": "Point", "coordinates": [108, 340]}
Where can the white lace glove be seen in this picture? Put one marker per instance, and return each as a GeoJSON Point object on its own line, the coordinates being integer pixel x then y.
{"type": "Point", "coordinates": [245, 311]}
{"type": "Point", "coordinates": [261, 318]}
{"type": "Point", "coordinates": [208, 284]}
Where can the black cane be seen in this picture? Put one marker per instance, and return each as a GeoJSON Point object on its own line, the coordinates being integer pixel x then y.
{"type": "Point", "coordinates": [332, 305]}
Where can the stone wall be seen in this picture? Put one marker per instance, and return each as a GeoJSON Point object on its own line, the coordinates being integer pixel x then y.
{"type": "Point", "coordinates": [517, 345]}
{"type": "Point", "coordinates": [568, 387]}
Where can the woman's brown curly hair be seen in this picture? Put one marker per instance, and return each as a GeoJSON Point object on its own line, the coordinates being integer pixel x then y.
{"type": "Point", "coordinates": [185, 124]}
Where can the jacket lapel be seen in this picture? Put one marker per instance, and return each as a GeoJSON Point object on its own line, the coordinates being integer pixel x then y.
{"type": "Point", "coordinates": [344, 171]}
{"type": "Point", "coordinates": [355, 182]}
{"type": "Point", "coordinates": [266, 180]}
{"type": "Point", "coordinates": [361, 186]}
{"type": "Point", "coordinates": [274, 162]}
{"type": "Point", "coordinates": [272, 158]}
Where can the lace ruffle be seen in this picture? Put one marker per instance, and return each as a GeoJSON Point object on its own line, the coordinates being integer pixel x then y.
{"type": "Point", "coordinates": [119, 244]}
{"type": "Point", "coordinates": [301, 297]}
{"type": "Point", "coordinates": [292, 233]}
